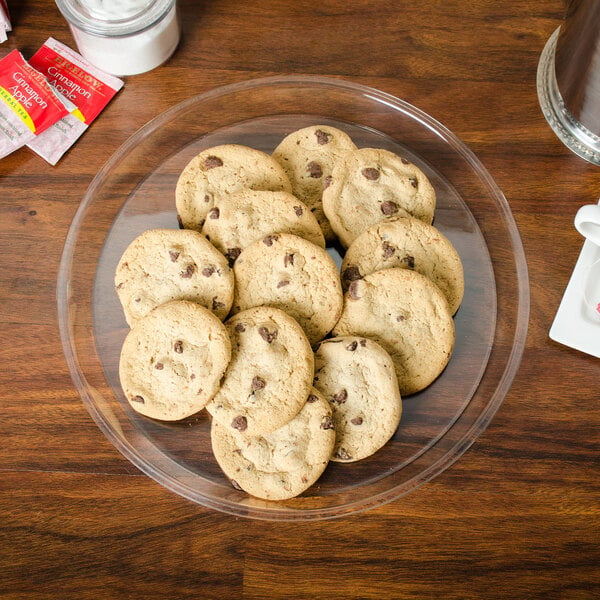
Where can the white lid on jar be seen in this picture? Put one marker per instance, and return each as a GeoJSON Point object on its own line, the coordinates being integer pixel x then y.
{"type": "Point", "coordinates": [114, 18]}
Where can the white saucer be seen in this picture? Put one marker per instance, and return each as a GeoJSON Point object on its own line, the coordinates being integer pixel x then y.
{"type": "Point", "coordinates": [576, 324]}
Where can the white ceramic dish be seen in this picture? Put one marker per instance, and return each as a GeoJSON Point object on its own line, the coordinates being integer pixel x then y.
{"type": "Point", "coordinates": [577, 321]}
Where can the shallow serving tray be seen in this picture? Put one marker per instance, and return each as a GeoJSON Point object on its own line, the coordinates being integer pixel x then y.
{"type": "Point", "coordinates": [135, 191]}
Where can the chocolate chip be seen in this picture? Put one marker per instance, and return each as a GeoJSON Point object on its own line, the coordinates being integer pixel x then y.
{"type": "Point", "coordinates": [327, 423]}
{"type": "Point", "coordinates": [322, 137]}
{"type": "Point", "coordinates": [214, 213]}
{"type": "Point", "coordinates": [210, 162]}
{"type": "Point", "coordinates": [267, 335]}
{"type": "Point", "coordinates": [389, 208]}
{"type": "Point", "coordinates": [356, 421]}
{"type": "Point", "coordinates": [240, 327]}
{"type": "Point", "coordinates": [216, 305]}
{"type": "Point", "coordinates": [268, 241]}
{"type": "Point", "coordinates": [258, 383]}
{"type": "Point", "coordinates": [351, 273]}
{"type": "Point", "coordinates": [404, 161]}
{"type": "Point", "coordinates": [159, 366]}
{"type": "Point", "coordinates": [174, 255]}
{"type": "Point", "coordinates": [232, 254]}
{"type": "Point", "coordinates": [410, 261]}
{"type": "Point", "coordinates": [298, 210]}
{"type": "Point", "coordinates": [343, 454]}
{"type": "Point", "coordinates": [370, 173]}
{"type": "Point", "coordinates": [400, 318]}
{"type": "Point", "coordinates": [208, 271]}
{"type": "Point", "coordinates": [363, 342]}
{"type": "Point", "coordinates": [312, 398]}
{"type": "Point", "coordinates": [327, 181]}
{"type": "Point", "coordinates": [118, 287]}
{"type": "Point", "coordinates": [282, 284]}
{"type": "Point", "coordinates": [178, 347]}
{"type": "Point", "coordinates": [189, 271]}
{"type": "Point", "coordinates": [340, 397]}
{"type": "Point", "coordinates": [414, 182]}
{"type": "Point", "coordinates": [199, 391]}
{"type": "Point", "coordinates": [192, 376]}
{"type": "Point", "coordinates": [139, 399]}
{"type": "Point", "coordinates": [388, 249]}
{"type": "Point", "coordinates": [288, 260]}
{"type": "Point", "coordinates": [353, 291]}
{"type": "Point", "coordinates": [352, 346]}
{"type": "Point", "coordinates": [235, 484]}
{"type": "Point", "coordinates": [240, 423]}
{"type": "Point", "coordinates": [314, 169]}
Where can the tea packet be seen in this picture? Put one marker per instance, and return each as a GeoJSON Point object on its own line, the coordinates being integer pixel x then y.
{"type": "Point", "coordinates": [87, 87]}
{"type": "Point", "coordinates": [28, 104]}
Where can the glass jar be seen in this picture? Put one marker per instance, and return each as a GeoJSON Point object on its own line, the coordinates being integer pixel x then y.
{"type": "Point", "coordinates": [568, 80]}
{"type": "Point", "coordinates": [123, 37]}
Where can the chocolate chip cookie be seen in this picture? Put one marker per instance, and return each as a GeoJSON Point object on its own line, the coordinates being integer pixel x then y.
{"type": "Point", "coordinates": [407, 243]}
{"type": "Point", "coordinates": [308, 156]}
{"type": "Point", "coordinates": [356, 375]}
{"type": "Point", "coordinates": [270, 373]}
{"type": "Point", "coordinates": [281, 464]}
{"type": "Point", "coordinates": [222, 170]}
{"type": "Point", "coordinates": [371, 184]}
{"type": "Point", "coordinates": [173, 359]}
{"type": "Point", "coordinates": [238, 219]}
{"type": "Point", "coordinates": [294, 275]}
{"type": "Point", "coordinates": [408, 315]}
{"type": "Point", "coordinates": [171, 264]}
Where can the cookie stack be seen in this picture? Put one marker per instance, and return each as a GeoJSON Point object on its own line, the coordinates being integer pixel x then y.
{"type": "Point", "coordinates": [243, 312]}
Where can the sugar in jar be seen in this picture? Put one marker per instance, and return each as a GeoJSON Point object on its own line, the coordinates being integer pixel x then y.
{"type": "Point", "coordinates": [123, 37]}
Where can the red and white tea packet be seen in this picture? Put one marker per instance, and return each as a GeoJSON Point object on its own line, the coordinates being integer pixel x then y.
{"type": "Point", "coordinates": [83, 84]}
{"type": "Point", "coordinates": [28, 104]}
{"type": "Point", "coordinates": [5, 25]}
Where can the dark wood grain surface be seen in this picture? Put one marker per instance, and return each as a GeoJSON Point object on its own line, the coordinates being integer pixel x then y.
{"type": "Point", "coordinates": [518, 516]}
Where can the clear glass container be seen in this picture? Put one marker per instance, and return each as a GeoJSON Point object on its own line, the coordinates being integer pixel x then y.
{"type": "Point", "coordinates": [568, 79]}
{"type": "Point", "coordinates": [123, 37]}
{"type": "Point", "coordinates": [135, 191]}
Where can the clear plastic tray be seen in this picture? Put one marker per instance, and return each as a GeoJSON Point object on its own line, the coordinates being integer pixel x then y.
{"type": "Point", "coordinates": [135, 191]}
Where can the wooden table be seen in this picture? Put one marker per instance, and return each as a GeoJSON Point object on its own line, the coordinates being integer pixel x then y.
{"type": "Point", "coordinates": [516, 517]}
